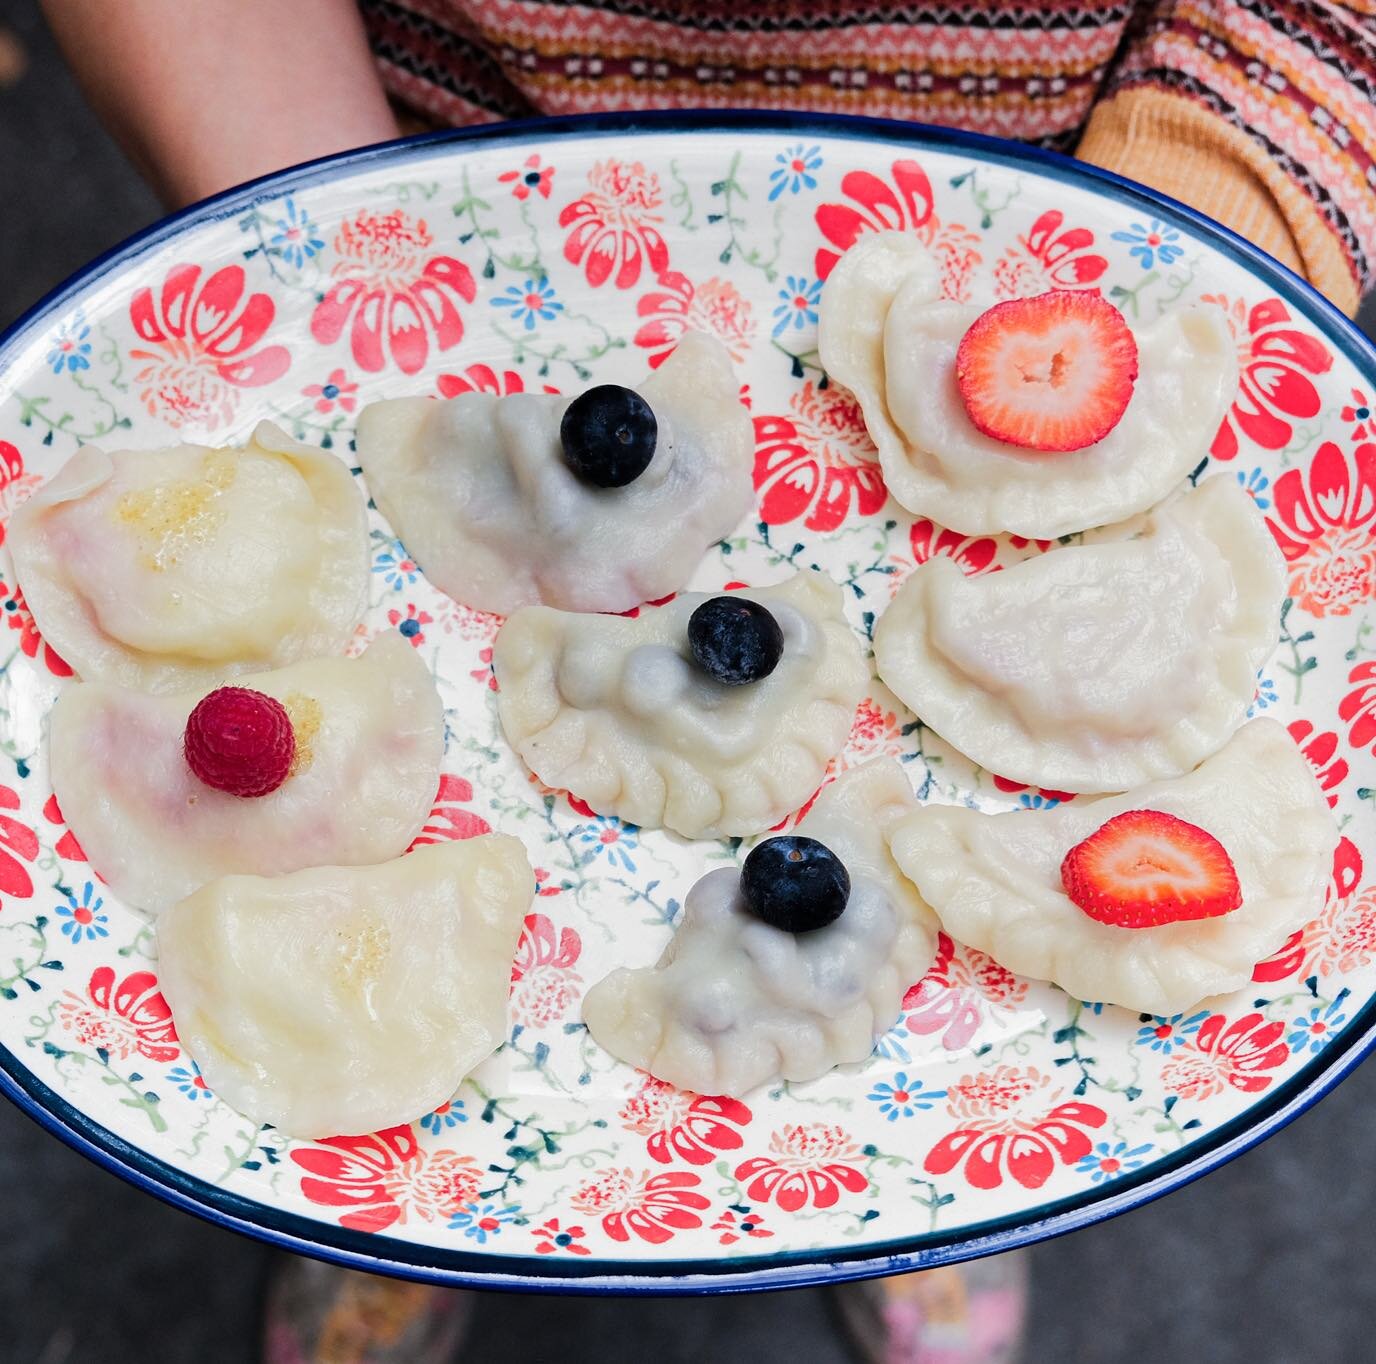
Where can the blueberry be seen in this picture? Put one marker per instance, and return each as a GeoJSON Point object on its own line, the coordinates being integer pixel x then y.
{"type": "Point", "coordinates": [735, 640]}
{"type": "Point", "coordinates": [795, 883]}
{"type": "Point", "coordinates": [608, 435]}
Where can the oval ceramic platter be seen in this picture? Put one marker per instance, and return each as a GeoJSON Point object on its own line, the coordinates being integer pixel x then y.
{"type": "Point", "coordinates": [996, 1110]}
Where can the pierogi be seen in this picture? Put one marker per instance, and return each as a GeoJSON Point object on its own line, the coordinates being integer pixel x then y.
{"type": "Point", "coordinates": [614, 710]}
{"type": "Point", "coordinates": [342, 1000]}
{"type": "Point", "coordinates": [369, 736]}
{"type": "Point", "coordinates": [734, 1002]}
{"type": "Point", "coordinates": [886, 334]}
{"type": "Point", "coordinates": [994, 881]}
{"type": "Point", "coordinates": [176, 568]}
{"type": "Point", "coordinates": [1101, 666]}
{"type": "Point", "coordinates": [478, 489]}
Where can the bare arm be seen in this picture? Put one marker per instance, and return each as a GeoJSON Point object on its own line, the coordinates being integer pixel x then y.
{"type": "Point", "coordinates": [203, 94]}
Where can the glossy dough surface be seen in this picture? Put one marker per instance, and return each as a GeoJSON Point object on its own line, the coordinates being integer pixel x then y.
{"type": "Point", "coordinates": [995, 883]}
{"type": "Point", "coordinates": [1101, 666]}
{"type": "Point", "coordinates": [176, 568]}
{"type": "Point", "coordinates": [885, 333]}
{"type": "Point", "coordinates": [343, 1000]}
{"type": "Point", "coordinates": [478, 490]}
{"type": "Point", "coordinates": [614, 710]}
{"type": "Point", "coordinates": [734, 1003]}
{"type": "Point", "coordinates": [370, 738]}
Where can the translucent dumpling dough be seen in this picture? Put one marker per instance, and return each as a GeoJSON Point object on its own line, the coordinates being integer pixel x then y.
{"type": "Point", "coordinates": [343, 1000]}
{"type": "Point", "coordinates": [995, 880]}
{"type": "Point", "coordinates": [734, 1003]}
{"type": "Point", "coordinates": [614, 710]}
{"type": "Point", "coordinates": [176, 568]}
{"type": "Point", "coordinates": [478, 490]}
{"type": "Point", "coordinates": [885, 333]}
{"type": "Point", "coordinates": [1099, 666]}
{"type": "Point", "coordinates": [369, 740]}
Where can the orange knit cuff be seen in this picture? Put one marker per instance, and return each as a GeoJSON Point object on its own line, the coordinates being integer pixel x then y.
{"type": "Point", "coordinates": [1172, 144]}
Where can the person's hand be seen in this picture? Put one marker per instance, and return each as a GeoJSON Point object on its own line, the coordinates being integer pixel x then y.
{"type": "Point", "coordinates": [203, 94]}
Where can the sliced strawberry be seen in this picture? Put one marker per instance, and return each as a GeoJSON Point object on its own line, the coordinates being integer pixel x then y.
{"type": "Point", "coordinates": [1050, 373]}
{"type": "Point", "coordinates": [1144, 868]}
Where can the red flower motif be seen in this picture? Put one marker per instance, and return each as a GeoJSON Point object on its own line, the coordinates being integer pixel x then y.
{"type": "Point", "coordinates": [652, 1207]}
{"type": "Point", "coordinates": [411, 624]}
{"type": "Point", "coordinates": [1358, 707]}
{"type": "Point", "coordinates": [19, 617]}
{"type": "Point", "coordinates": [486, 672]}
{"type": "Point", "coordinates": [1325, 525]}
{"type": "Point", "coordinates": [203, 334]}
{"type": "Point", "coordinates": [66, 846]}
{"type": "Point", "coordinates": [677, 1122]}
{"type": "Point", "coordinates": [1011, 788]}
{"type": "Point", "coordinates": [16, 486]}
{"type": "Point", "coordinates": [395, 292]}
{"type": "Point", "coordinates": [904, 203]}
{"type": "Point", "coordinates": [1222, 1054]}
{"type": "Point", "coordinates": [1275, 362]}
{"type": "Point", "coordinates": [716, 306]}
{"type": "Point", "coordinates": [817, 463]}
{"type": "Point", "coordinates": [121, 1019]}
{"type": "Point", "coordinates": [809, 1166]}
{"type": "Point", "coordinates": [951, 998]}
{"type": "Point", "coordinates": [1359, 411]}
{"type": "Point", "coordinates": [1049, 256]}
{"type": "Point", "coordinates": [1320, 751]}
{"type": "Point", "coordinates": [738, 1221]}
{"type": "Point", "coordinates": [973, 554]}
{"type": "Point", "coordinates": [615, 225]}
{"type": "Point", "coordinates": [448, 820]}
{"type": "Point", "coordinates": [481, 379]}
{"type": "Point", "coordinates": [1010, 1118]}
{"type": "Point", "coordinates": [1342, 937]}
{"type": "Point", "coordinates": [335, 390]}
{"type": "Point", "coordinates": [531, 177]}
{"type": "Point", "coordinates": [385, 1178]}
{"type": "Point", "coordinates": [552, 1238]}
{"type": "Point", "coordinates": [544, 985]}
{"type": "Point", "coordinates": [17, 841]}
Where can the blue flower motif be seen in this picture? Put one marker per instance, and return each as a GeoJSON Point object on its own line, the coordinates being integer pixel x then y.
{"type": "Point", "coordinates": [481, 1220]}
{"type": "Point", "coordinates": [798, 304]}
{"type": "Point", "coordinates": [84, 918]}
{"type": "Point", "coordinates": [1095, 1006]}
{"type": "Point", "coordinates": [893, 1045]}
{"type": "Point", "coordinates": [444, 1117]}
{"type": "Point", "coordinates": [1037, 800]}
{"type": "Point", "coordinates": [1315, 1030]}
{"type": "Point", "coordinates": [70, 349]}
{"type": "Point", "coordinates": [1166, 1034]}
{"type": "Point", "coordinates": [609, 836]}
{"type": "Point", "coordinates": [1107, 1161]}
{"type": "Point", "coordinates": [1266, 696]}
{"type": "Point", "coordinates": [295, 240]}
{"type": "Point", "coordinates": [793, 170]}
{"type": "Point", "coordinates": [190, 1082]}
{"type": "Point", "coordinates": [1152, 243]}
{"type": "Point", "coordinates": [534, 299]}
{"type": "Point", "coordinates": [397, 570]}
{"type": "Point", "coordinates": [1255, 484]}
{"type": "Point", "coordinates": [904, 1097]}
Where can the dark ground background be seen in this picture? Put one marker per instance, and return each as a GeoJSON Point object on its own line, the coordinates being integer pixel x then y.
{"type": "Point", "coordinates": [1266, 1261]}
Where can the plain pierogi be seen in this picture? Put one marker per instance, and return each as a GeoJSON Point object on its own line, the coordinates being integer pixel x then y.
{"type": "Point", "coordinates": [175, 568]}
{"type": "Point", "coordinates": [735, 1002]}
{"type": "Point", "coordinates": [481, 492]}
{"type": "Point", "coordinates": [995, 880]}
{"type": "Point", "coordinates": [886, 334]}
{"type": "Point", "coordinates": [369, 738]}
{"type": "Point", "coordinates": [342, 1000]}
{"type": "Point", "coordinates": [1101, 666]}
{"type": "Point", "coordinates": [615, 711]}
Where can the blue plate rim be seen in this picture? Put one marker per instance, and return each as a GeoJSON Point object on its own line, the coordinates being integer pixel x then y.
{"type": "Point", "coordinates": [528, 1273]}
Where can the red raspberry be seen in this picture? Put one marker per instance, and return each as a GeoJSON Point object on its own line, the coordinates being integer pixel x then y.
{"type": "Point", "coordinates": [240, 741]}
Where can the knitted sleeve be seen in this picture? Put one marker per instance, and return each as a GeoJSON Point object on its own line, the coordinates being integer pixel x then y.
{"type": "Point", "coordinates": [1259, 112]}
